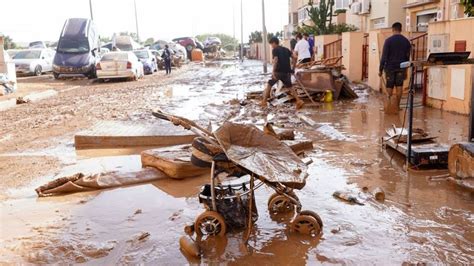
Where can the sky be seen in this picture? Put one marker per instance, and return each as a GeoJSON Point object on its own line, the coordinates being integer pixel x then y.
{"type": "Point", "coordinates": [31, 20]}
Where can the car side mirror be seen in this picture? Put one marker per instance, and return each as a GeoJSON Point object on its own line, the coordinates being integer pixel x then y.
{"type": "Point", "coordinates": [42, 57]}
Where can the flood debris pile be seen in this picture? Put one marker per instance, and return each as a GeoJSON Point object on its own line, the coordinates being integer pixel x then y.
{"type": "Point", "coordinates": [461, 165]}
{"type": "Point", "coordinates": [315, 84]}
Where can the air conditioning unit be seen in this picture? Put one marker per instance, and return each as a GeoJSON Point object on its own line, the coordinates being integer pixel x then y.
{"type": "Point", "coordinates": [365, 8]}
{"type": "Point", "coordinates": [356, 8]}
{"type": "Point", "coordinates": [439, 15]}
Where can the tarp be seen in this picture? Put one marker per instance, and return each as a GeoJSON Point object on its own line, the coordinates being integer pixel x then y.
{"type": "Point", "coordinates": [262, 154]}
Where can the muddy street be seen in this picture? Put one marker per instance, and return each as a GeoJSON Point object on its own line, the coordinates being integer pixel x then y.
{"type": "Point", "coordinates": [421, 220]}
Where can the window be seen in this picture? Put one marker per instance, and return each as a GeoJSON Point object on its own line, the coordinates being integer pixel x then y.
{"type": "Point", "coordinates": [73, 45]}
{"type": "Point", "coordinates": [28, 54]}
{"type": "Point", "coordinates": [341, 4]}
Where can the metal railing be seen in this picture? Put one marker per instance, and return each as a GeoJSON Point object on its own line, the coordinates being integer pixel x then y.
{"type": "Point", "coordinates": [333, 49]}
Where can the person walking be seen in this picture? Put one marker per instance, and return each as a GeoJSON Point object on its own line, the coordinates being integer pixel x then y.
{"type": "Point", "coordinates": [302, 50]}
{"type": "Point", "coordinates": [396, 50]}
{"type": "Point", "coordinates": [281, 60]}
{"type": "Point", "coordinates": [166, 55]}
{"type": "Point", "coordinates": [292, 42]}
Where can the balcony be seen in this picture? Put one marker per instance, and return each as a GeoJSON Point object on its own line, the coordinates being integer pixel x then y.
{"type": "Point", "coordinates": [415, 3]}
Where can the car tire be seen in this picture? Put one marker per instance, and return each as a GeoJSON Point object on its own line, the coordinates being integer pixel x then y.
{"type": "Point", "coordinates": [38, 70]}
{"type": "Point", "coordinates": [92, 74]}
{"type": "Point", "coordinates": [56, 75]}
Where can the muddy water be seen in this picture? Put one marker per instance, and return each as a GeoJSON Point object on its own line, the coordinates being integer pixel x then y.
{"type": "Point", "coordinates": [421, 221]}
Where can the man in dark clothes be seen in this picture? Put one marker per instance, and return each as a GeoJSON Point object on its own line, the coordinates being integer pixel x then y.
{"type": "Point", "coordinates": [281, 71]}
{"type": "Point", "coordinates": [167, 58]}
{"type": "Point", "coordinates": [396, 50]}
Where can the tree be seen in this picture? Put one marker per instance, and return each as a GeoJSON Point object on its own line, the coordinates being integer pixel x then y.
{"type": "Point", "coordinates": [149, 41]}
{"type": "Point", "coordinates": [229, 43]}
{"type": "Point", "coordinates": [8, 43]}
{"type": "Point", "coordinates": [256, 36]}
{"type": "Point", "coordinates": [468, 7]}
{"type": "Point", "coordinates": [321, 18]}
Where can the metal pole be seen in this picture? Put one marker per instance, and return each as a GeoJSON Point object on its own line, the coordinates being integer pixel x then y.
{"type": "Point", "coordinates": [471, 118]}
{"type": "Point", "coordinates": [233, 27]}
{"type": "Point", "coordinates": [241, 32]}
{"type": "Point", "coordinates": [265, 59]}
{"type": "Point", "coordinates": [90, 7]}
{"type": "Point", "coordinates": [411, 94]}
{"type": "Point", "coordinates": [136, 19]}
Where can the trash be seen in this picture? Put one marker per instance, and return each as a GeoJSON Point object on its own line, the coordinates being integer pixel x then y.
{"type": "Point", "coordinates": [143, 236]}
{"type": "Point", "coordinates": [379, 194]}
{"type": "Point", "coordinates": [328, 96]}
{"type": "Point", "coordinates": [461, 160]}
{"type": "Point", "coordinates": [282, 135]}
{"type": "Point", "coordinates": [174, 161]}
{"type": "Point", "coordinates": [138, 211]}
{"type": "Point", "coordinates": [189, 247]}
{"type": "Point", "coordinates": [21, 100]}
{"type": "Point", "coordinates": [347, 197]}
{"type": "Point", "coordinates": [87, 182]}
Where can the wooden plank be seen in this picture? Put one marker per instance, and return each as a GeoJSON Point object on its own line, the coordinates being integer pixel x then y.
{"type": "Point", "coordinates": [120, 134]}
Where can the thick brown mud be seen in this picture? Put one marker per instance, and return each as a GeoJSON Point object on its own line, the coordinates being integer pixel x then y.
{"type": "Point", "coordinates": [420, 220]}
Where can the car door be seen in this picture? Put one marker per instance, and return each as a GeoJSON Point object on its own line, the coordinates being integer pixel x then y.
{"type": "Point", "coordinates": [46, 61]}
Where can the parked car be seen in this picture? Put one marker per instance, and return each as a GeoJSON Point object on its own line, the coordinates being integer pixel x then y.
{"type": "Point", "coordinates": [78, 49]}
{"type": "Point", "coordinates": [12, 52]}
{"type": "Point", "coordinates": [148, 60]}
{"type": "Point", "coordinates": [34, 61]}
{"type": "Point", "coordinates": [37, 44]}
{"type": "Point", "coordinates": [187, 42]}
{"type": "Point", "coordinates": [120, 64]}
{"type": "Point", "coordinates": [125, 43]}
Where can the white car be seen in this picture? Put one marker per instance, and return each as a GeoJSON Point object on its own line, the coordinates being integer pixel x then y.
{"type": "Point", "coordinates": [33, 61]}
{"type": "Point", "coordinates": [119, 65]}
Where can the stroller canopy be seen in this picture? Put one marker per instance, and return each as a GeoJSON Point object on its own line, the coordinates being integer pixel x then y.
{"type": "Point", "coordinates": [261, 154]}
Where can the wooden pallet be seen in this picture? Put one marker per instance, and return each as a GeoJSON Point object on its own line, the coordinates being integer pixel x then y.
{"type": "Point", "coordinates": [121, 134]}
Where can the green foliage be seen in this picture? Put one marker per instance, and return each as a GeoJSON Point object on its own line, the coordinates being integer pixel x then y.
{"type": "Point", "coordinates": [229, 43]}
{"type": "Point", "coordinates": [8, 43]}
{"type": "Point", "coordinates": [321, 16]}
{"type": "Point", "coordinates": [468, 7]}
{"type": "Point", "coordinates": [256, 36]}
{"type": "Point", "coordinates": [149, 41]}
{"type": "Point", "coordinates": [105, 39]}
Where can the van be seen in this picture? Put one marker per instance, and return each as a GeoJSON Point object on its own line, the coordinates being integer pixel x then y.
{"type": "Point", "coordinates": [78, 49]}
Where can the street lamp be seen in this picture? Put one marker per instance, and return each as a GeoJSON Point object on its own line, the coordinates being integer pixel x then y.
{"type": "Point", "coordinates": [136, 19]}
{"type": "Point", "coordinates": [90, 7]}
{"type": "Point", "coordinates": [265, 59]}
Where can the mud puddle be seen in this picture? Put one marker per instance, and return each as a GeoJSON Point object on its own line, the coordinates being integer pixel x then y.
{"type": "Point", "coordinates": [421, 221]}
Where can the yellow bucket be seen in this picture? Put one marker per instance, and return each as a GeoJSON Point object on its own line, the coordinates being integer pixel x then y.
{"type": "Point", "coordinates": [328, 96]}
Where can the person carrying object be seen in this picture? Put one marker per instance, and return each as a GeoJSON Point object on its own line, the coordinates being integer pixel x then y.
{"type": "Point", "coordinates": [282, 71]}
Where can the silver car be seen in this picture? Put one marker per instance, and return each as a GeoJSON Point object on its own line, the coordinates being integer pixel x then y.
{"type": "Point", "coordinates": [119, 65]}
{"type": "Point", "coordinates": [33, 61]}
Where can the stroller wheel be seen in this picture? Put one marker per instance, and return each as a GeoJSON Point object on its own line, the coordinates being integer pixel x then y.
{"type": "Point", "coordinates": [210, 223]}
{"type": "Point", "coordinates": [306, 225]}
{"type": "Point", "coordinates": [280, 204]}
{"type": "Point", "coordinates": [314, 215]}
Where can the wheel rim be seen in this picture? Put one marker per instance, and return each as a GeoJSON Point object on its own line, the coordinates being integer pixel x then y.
{"type": "Point", "coordinates": [280, 204]}
{"type": "Point", "coordinates": [210, 223]}
{"type": "Point", "coordinates": [314, 215]}
{"type": "Point", "coordinates": [38, 70]}
{"type": "Point", "coordinates": [306, 225]}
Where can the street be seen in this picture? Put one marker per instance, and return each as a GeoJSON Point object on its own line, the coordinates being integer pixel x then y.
{"type": "Point", "coordinates": [420, 221]}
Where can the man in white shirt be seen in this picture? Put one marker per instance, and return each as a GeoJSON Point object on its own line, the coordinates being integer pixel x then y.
{"type": "Point", "coordinates": [302, 50]}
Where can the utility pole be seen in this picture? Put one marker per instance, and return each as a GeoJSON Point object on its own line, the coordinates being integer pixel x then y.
{"type": "Point", "coordinates": [136, 19]}
{"type": "Point", "coordinates": [233, 24]}
{"type": "Point", "coordinates": [241, 32]}
{"type": "Point", "coordinates": [265, 59]}
{"type": "Point", "coordinates": [90, 7]}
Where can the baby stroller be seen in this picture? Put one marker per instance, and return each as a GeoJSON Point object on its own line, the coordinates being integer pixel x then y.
{"type": "Point", "coordinates": [250, 159]}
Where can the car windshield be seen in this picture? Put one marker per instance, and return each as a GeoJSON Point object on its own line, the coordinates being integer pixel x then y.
{"type": "Point", "coordinates": [73, 46]}
{"type": "Point", "coordinates": [32, 44]}
{"type": "Point", "coordinates": [27, 55]}
{"type": "Point", "coordinates": [115, 56]}
{"type": "Point", "coordinates": [141, 54]}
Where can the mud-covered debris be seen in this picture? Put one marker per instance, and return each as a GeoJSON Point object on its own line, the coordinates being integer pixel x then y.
{"type": "Point", "coordinates": [379, 194]}
{"type": "Point", "coordinates": [347, 197]}
{"type": "Point", "coordinates": [138, 211]}
{"type": "Point", "coordinates": [143, 236]}
{"type": "Point", "coordinates": [21, 100]}
{"type": "Point", "coordinates": [189, 247]}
